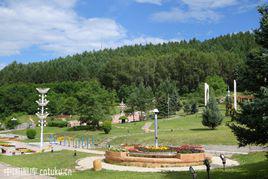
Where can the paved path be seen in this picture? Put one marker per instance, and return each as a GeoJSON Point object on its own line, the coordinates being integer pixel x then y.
{"type": "Point", "coordinates": [87, 163]}
{"type": "Point", "coordinates": [8, 172]}
{"type": "Point", "coordinates": [233, 149]}
{"type": "Point", "coordinates": [146, 127]}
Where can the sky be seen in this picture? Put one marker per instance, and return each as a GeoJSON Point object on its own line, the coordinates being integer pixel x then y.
{"type": "Point", "coordinates": [38, 30]}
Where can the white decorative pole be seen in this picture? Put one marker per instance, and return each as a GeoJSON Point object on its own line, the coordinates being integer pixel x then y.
{"type": "Point", "coordinates": [206, 93]}
{"type": "Point", "coordinates": [122, 107]}
{"type": "Point", "coordinates": [235, 100]}
{"type": "Point", "coordinates": [42, 115]}
{"type": "Point", "coordinates": [155, 127]}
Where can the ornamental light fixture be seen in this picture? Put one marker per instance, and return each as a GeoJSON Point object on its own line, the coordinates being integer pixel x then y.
{"type": "Point", "coordinates": [155, 127]}
{"type": "Point", "coordinates": [42, 114]}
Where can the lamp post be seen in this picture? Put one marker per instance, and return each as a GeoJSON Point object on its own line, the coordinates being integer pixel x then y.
{"type": "Point", "coordinates": [155, 127]}
{"type": "Point", "coordinates": [207, 164]}
{"type": "Point", "coordinates": [42, 114]}
{"type": "Point", "coordinates": [193, 173]}
{"type": "Point", "coordinates": [223, 160]}
{"type": "Point", "coordinates": [14, 122]}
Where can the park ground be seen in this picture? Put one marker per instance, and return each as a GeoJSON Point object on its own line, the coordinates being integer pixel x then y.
{"type": "Point", "coordinates": [176, 130]}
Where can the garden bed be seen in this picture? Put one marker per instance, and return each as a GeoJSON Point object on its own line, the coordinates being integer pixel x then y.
{"type": "Point", "coordinates": [157, 157]}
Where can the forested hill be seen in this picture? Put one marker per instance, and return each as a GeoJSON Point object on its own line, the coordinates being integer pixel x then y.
{"type": "Point", "coordinates": [186, 63]}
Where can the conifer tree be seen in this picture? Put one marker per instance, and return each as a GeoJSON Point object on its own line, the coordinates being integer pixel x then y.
{"type": "Point", "coordinates": [211, 114]}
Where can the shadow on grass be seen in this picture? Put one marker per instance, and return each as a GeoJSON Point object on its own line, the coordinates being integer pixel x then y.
{"type": "Point", "coordinates": [202, 129]}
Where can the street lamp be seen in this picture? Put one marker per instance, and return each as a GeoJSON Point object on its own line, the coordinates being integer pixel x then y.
{"type": "Point", "coordinates": [155, 127]}
{"type": "Point", "coordinates": [193, 173]}
{"type": "Point", "coordinates": [14, 121]}
{"type": "Point", "coordinates": [42, 114]}
{"type": "Point", "coordinates": [223, 160]}
{"type": "Point", "coordinates": [207, 164]}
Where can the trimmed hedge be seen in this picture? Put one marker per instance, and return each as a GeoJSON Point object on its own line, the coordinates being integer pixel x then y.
{"type": "Point", "coordinates": [57, 123]}
{"type": "Point", "coordinates": [107, 126]}
{"type": "Point", "coordinates": [31, 133]}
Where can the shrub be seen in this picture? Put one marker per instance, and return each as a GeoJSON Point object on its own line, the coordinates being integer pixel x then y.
{"type": "Point", "coordinates": [31, 133]}
{"type": "Point", "coordinates": [187, 108]}
{"type": "Point", "coordinates": [57, 123]}
{"type": "Point", "coordinates": [194, 108]}
{"type": "Point", "coordinates": [211, 114]}
{"type": "Point", "coordinates": [107, 126]}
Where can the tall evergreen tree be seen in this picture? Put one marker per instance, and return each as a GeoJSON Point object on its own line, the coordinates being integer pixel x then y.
{"type": "Point", "coordinates": [251, 124]}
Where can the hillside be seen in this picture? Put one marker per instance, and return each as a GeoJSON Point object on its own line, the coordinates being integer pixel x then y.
{"type": "Point", "coordinates": [186, 63]}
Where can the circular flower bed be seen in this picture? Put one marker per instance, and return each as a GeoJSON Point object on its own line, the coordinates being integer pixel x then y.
{"type": "Point", "coordinates": [180, 149]}
{"type": "Point", "coordinates": [151, 156]}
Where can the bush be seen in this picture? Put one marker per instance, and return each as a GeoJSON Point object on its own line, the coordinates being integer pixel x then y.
{"type": "Point", "coordinates": [187, 108]}
{"type": "Point", "coordinates": [31, 133]}
{"type": "Point", "coordinates": [80, 128]}
{"type": "Point", "coordinates": [57, 123]}
{"type": "Point", "coordinates": [194, 108]}
{"type": "Point", "coordinates": [107, 126]}
{"type": "Point", "coordinates": [211, 114]}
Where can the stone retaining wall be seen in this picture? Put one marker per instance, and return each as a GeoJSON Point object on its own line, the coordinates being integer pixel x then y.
{"type": "Point", "coordinates": [180, 160]}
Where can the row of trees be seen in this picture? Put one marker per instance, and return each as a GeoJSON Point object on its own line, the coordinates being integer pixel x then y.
{"type": "Point", "coordinates": [87, 99]}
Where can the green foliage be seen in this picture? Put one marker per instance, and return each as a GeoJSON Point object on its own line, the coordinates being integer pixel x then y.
{"type": "Point", "coordinates": [167, 98]}
{"type": "Point", "coordinates": [140, 99]}
{"type": "Point", "coordinates": [70, 106]}
{"type": "Point", "coordinates": [194, 108]}
{"type": "Point", "coordinates": [185, 63]}
{"type": "Point", "coordinates": [11, 124]}
{"type": "Point", "coordinates": [211, 114]}
{"type": "Point", "coordinates": [123, 118]}
{"type": "Point", "coordinates": [107, 126]}
{"type": "Point", "coordinates": [95, 104]}
{"type": "Point", "coordinates": [187, 108]}
{"type": "Point", "coordinates": [57, 123]}
{"type": "Point", "coordinates": [218, 84]}
{"type": "Point", "coordinates": [250, 125]}
{"type": "Point", "coordinates": [31, 133]}
{"type": "Point", "coordinates": [255, 73]}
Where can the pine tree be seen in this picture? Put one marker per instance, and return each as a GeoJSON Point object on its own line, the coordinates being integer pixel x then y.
{"type": "Point", "coordinates": [211, 114]}
{"type": "Point", "coordinates": [251, 125]}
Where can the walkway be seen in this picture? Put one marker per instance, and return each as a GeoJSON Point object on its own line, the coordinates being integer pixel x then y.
{"type": "Point", "coordinates": [233, 149]}
{"type": "Point", "coordinates": [146, 127]}
{"type": "Point", "coordinates": [87, 163]}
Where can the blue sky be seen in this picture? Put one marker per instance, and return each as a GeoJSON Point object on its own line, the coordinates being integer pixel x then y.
{"type": "Point", "coordinates": [37, 30]}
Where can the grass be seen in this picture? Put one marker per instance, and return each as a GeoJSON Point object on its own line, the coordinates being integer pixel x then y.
{"type": "Point", "coordinates": [254, 165]}
{"type": "Point", "coordinates": [183, 130]}
{"type": "Point", "coordinates": [60, 159]}
{"type": "Point", "coordinates": [173, 131]}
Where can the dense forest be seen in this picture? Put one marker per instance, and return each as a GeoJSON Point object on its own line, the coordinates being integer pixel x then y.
{"type": "Point", "coordinates": [141, 75]}
{"type": "Point", "coordinates": [185, 63]}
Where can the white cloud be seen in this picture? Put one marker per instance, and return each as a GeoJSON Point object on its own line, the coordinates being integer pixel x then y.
{"type": "Point", "coordinates": [178, 15]}
{"type": "Point", "coordinates": [54, 26]}
{"type": "Point", "coordinates": [157, 2]}
{"type": "Point", "coordinates": [197, 10]}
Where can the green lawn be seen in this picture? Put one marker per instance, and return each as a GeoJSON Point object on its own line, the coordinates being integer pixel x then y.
{"type": "Point", "coordinates": [253, 166]}
{"type": "Point", "coordinates": [183, 130]}
{"type": "Point", "coordinates": [60, 159]}
{"type": "Point", "coordinates": [178, 130]}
